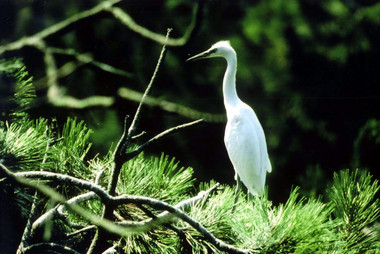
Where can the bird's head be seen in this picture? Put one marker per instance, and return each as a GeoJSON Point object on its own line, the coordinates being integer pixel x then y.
{"type": "Point", "coordinates": [219, 49]}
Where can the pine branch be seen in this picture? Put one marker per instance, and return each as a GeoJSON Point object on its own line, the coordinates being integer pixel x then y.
{"type": "Point", "coordinates": [115, 201]}
{"type": "Point", "coordinates": [60, 209]}
{"type": "Point", "coordinates": [167, 216]}
{"type": "Point", "coordinates": [57, 197]}
{"type": "Point", "coordinates": [28, 230]}
{"type": "Point", "coordinates": [356, 206]}
{"type": "Point", "coordinates": [65, 179]}
{"type": "Point", "coordinates": [157, 204]}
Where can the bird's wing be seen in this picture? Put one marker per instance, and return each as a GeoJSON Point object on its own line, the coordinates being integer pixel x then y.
{"type": "Point", "coordinates": [245, 143]}
{"type": "Point", "coordinates": [265, 161]}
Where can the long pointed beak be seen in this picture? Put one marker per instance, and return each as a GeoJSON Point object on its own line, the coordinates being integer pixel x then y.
{"type": "Point", "coordinates": [202, 55]}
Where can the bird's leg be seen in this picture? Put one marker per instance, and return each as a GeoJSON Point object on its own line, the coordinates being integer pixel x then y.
{"type": "Point", "coordinates": [238, 185]}
{"type": "Point", "coordinates": [238, 188]}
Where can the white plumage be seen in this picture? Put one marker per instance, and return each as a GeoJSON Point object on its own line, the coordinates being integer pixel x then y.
{"type": "Point", "coordinates": [244, 137]}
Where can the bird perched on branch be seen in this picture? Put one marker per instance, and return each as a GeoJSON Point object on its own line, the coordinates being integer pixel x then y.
{"type": "Point", "coordinates": [244, 137]}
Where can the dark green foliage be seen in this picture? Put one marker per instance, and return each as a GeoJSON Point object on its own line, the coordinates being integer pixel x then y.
{"type": "Point", "coordinates": [308, 68]}
{"type": "Point", "coordinates": [282, 36]}
{"type": "Point", "coordinates": [15, 78]}
{"type": "Point", "coordinates": [356, 207]}
{"type": "Point", "coordinates": [23, 145]}
{"type": "Point", "coordinates": [156, 177]}
{"type": "Point", "coordinates": [365, 144]}
{"type": "Point", "coordinates": [299, 226]}
{"type": "Point", "coordinates": [71, 148]}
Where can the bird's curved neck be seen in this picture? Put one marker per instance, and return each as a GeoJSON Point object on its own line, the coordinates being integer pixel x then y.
{"type": "Point", "coordinates": [231, 98]}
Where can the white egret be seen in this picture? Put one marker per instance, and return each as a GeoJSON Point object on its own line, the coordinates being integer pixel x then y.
{"type": "Point", "coordinates": [244, 137]}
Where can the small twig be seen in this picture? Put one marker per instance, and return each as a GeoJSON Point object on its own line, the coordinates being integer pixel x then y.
{"type": "Point", "coordinates": [111, 250]}
{"type": "Point", "coordinates": [88, 59]}
{"type": "Point", "coordinates": [139, 135]}
{"type": "Point", "coordinates": [99, 176]}
{"type": "Point", "coordinates": [82, 230]}
{"type": "Point", "coordinates": [168, 225]}
{"type": "Point", "coordinates": [118, 216]}
{"type": "Point", "coordinates": [136, 118]}
{"type": "Point", "coordinates": [121, 147]}
{"type": "Point", "coordinates": [60, 248]}
{"type": "Point", "coordinates": [156, 138]}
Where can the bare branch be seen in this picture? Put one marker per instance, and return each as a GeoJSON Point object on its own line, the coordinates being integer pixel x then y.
{"type": "Point", "coordinates": [129, 94]}
{"type": "Point", "coordinates": [136, 118]}
{"type": "Point", "coordinates": [165, 217]}
{"type": "Point", "coordinates": [158, 204]}
{"type": "Point", "coordinates": [82, 230]}
{"type": "Point", "coordinates": [88, 59]}
{"type": "Point", "coordinates": [57, 197]}
{"type": "Point", "coordinates": [119, 158]}
{"type": "Point", "coordinates": [38, 37]}
{"type": "Point", "coordinates": [126, 137]}
{"type": "Point", "coordinates": [158, 137]}
{"type": "Point", "coordinates": [59, 247]}
{"type": "Point", "coordinates": [119, 200]}
{"type": "Point", "coordinates": [128, 21]}
{"type": "Point", "coordinates": [66, 179]}
{"type": "Point", "coordinates": [75, 103]}
{"type": "Point", "coordinates": [61, 208]}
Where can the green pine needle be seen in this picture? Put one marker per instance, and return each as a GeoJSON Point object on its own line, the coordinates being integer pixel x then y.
{"type": "Point", "coordinates": [355, 208]}
{"type": "Point", "coordinates": [156, 177]}
{"type": "Point", "coordinates": [24, 92]}
{"type": "Point", "coordinates": [72, 148]}
{"type": "Point", "coordinates": [23, 146]}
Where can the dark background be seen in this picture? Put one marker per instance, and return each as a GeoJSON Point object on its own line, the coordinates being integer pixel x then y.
{"type": "Point", "coordinates": [310, 69]}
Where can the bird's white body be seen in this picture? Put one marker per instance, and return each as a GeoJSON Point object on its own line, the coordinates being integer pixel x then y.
{"type": "Point", "coordinates": [244, 137]}
{"type": "Point", "coordinates": [245, 142]}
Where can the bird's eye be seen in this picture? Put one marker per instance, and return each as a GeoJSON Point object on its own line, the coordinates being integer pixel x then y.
{"type": "Point", "coordinates": [212, 51]}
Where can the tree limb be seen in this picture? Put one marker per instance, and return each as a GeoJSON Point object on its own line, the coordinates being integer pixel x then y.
{"type": "Point", "coordinates": [61, 248]}
{"type": "Point", "coordinates": [119, 200]}
{"type": "Point", "coordinates": [128, 21]}
{"type": "Point", "coordinates": [129, 94]}
{"type": "Point", "coordinates": [38, 37]}
{"type": "Point", "coordinates": [167, 216]}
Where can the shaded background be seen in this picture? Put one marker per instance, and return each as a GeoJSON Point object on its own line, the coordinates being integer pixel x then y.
{"type": "Point", "coordinates": [310, 69]}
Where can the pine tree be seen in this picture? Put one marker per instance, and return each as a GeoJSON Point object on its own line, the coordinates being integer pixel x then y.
{"type": "Point", "coordinates": [62, 192]}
